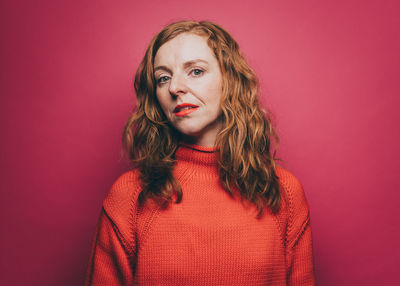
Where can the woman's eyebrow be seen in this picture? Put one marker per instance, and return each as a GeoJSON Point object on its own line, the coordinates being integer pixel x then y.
{"type": "Point", "coordinates": [192, 62]}
{"type": "Point", "coordinates": [162, 68]}
{"type": "Point", "coordinates": [185, 65]}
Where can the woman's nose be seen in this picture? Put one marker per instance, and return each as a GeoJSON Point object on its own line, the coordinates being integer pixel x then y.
{"type": "Point", "coordinates": [177, 85]}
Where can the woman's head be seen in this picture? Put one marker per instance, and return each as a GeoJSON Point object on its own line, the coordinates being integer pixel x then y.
{"type": "Point", "coordinates": [223, 91]}
{"type": "Point", "coordinates": [192, 40]}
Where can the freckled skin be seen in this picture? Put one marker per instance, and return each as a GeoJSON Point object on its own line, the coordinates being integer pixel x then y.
{"type": "Point", "coordinates": [198, 83]}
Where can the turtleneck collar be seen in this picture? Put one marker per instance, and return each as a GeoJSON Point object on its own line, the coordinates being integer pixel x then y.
{"type": "Point", "coordinates": [197, 154]}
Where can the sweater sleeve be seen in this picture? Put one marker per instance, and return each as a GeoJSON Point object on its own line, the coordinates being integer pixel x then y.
{"type": "Point", "coordinates": [299, 251]}
{"type": "Point", "coordinates": [109, 261]}
{"type": "Point", "coordinates": [112, 257]}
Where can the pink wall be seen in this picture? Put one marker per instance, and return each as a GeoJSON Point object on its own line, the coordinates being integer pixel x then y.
{"type": "Point", "coordinates": [329, 72]}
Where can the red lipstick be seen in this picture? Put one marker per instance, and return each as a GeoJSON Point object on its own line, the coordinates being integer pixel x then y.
{"type": "Point", "coordinates": [184, 109]}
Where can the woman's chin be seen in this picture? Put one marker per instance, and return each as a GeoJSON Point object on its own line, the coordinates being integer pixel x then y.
{"type": "Point", "coordinates": [191, 130]}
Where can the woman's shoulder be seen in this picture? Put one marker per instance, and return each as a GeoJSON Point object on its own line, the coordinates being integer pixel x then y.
{"type": "Point", "coordinates": [287, 179]}
{"type": "Point", "coordinates": [292, 191]}
{"type": "Point", "coordinates": [124, 186]}
{"type": "Point", "coordinates": [121, 199]}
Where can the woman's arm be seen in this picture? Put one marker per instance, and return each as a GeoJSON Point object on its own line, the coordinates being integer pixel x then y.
{"type": "Point", "coordinates": [299, 250]}
{"type": "Point", "coordinates": [109, 262]}
{"type": "Point", "coordinates": [300, 257]}
{"type": "Point", "coordinates": [113, 253]}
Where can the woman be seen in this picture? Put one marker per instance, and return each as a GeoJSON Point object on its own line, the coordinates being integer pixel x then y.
{"type": "Point", "coordinates": [205, 203]}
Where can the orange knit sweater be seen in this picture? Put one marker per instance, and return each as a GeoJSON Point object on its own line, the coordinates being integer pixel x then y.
{"type": "Point", "coordinates": [209, 238]}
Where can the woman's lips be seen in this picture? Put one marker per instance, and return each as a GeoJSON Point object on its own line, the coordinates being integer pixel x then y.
{"type": "Point", "coordinates": [184, 109]}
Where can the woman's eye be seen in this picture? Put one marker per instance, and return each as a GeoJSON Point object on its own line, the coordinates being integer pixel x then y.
{"type": "Point", "coordinates": [197, 72]}
{"type": "Point", "coordinates": [162, 79]}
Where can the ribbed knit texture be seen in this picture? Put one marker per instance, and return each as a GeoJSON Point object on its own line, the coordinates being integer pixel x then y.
{"type": "Point", "coordinates": [210, 238]}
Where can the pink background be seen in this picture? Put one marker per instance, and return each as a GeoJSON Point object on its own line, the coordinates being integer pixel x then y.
{"type": "Point", "coordinates": [329, 72]}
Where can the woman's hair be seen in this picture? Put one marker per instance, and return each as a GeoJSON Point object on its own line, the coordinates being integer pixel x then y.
{"type": "Point", "coordinates": [246, 161]}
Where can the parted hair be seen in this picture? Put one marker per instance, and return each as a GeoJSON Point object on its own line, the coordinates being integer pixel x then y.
{"type": "Point", "coordinates": [246, 157]}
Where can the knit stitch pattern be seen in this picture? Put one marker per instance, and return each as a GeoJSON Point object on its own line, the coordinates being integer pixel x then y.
{"type": "Point", "coordinates": [210, 238]}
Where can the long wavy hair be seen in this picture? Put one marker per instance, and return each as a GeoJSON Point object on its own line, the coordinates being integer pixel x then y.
{"type": "Point", "coordinates": [246, 157]}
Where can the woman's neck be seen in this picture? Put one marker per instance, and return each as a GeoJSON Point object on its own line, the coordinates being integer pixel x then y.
{"type": "Point", "coordinates": [207, 139]}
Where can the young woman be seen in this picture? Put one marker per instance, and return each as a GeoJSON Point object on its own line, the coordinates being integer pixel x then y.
{"type": "Point", "coordinates": [206, 203]}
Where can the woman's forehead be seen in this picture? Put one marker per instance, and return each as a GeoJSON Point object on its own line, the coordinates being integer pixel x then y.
{"type": "Point", "coordinates": [184, 48]}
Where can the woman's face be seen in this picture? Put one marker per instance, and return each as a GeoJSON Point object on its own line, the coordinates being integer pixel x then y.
{"type": "Point", "coordinates": [189, 86]}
